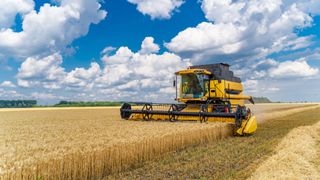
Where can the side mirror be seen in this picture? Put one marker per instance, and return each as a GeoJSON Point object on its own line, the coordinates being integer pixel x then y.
{"type": "Point", "coordinates": [174, 83]}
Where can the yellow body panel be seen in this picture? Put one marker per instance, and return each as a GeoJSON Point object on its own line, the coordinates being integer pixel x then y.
{"type": "Point", "coordinates": [251, 126]}
{"type": "Point", "coordinates": [248, 126]}
{"type": "Point", "coordinates": [219, 89]}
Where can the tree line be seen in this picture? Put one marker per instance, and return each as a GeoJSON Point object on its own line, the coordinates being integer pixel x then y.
{"type": "Point", "coordinates": [17, 103]}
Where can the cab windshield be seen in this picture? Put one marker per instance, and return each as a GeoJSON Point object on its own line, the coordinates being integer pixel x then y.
{"type": "Point", "coordinates": [193, 85]}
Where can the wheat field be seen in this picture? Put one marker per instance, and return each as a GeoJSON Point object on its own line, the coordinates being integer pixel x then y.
{"type": "Point", "coordinates": [87, 143]}
{"type": "Point", "coordinates": [90, 143]}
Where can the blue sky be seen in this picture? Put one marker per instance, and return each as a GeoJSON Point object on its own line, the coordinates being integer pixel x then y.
{"type": "Point", "coordinates": [129, 49]}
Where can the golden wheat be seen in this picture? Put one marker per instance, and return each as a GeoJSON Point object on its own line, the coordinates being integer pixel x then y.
{"type": "Point", "coordinates": [88, 143]}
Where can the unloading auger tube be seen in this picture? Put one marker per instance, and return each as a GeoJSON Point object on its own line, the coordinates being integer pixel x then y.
{"type": "Point", "coordinates": [206, 93]}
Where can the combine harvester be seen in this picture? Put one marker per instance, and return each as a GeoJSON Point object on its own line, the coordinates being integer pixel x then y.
{"type": "Point", "coordinates": [207, 93]}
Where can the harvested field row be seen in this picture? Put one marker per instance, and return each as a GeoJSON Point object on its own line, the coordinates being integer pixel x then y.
{"type": "Point", "coordinates": [231, 158]}
{"type": "Point", "coordinates": [297, 155]}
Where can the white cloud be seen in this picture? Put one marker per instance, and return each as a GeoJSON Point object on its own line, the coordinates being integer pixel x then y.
{"type": "Point", "coordinates": [261, 87]}
{"type": "Point", "coordinates": [137, 75]}
{"type": "Point", "coordinates": [309, 53]}
{"type": "Point", "coordinates": [125, 75]}
{"type": "Point", "coordinates": [45, 71]}
{"type": "Point", "coordinates": [122, 55]}
{"type": "Point", "coordinates": [223, 10]}
{"type": "Point", "coordinates": [161, 9]}
{"type": "Point", "coordinates": [82, 78]}
{"type": "Point", "coordinates": [10, 8]}
{"type": "Point", "coordinates": [267, 69]}
{"type": "Point", "coordinates": [108, 50]}
{"type": "Point", "coordinates": [142, 67]}
{"type": "Point", "coordinates": [208, 38]}
{"type": "Point", "coordinates": [245, 29]}
{"type": "Point", "coordinates": [148, 46]}
{"type": "Point", "coordinates": [250, 85]}
{"type": "Point", "coordinates": [311, 6]}
{"type": "Point", "coordinates": [10, 94]}
{"type": "Point", "coordinates": [298, 68]}
{"type": "Point", "coordinates": [52, 29]}
{"type": "Point", "coordinates": [7, 84]}
{"type": "Point", "coordinates": [276, 80]}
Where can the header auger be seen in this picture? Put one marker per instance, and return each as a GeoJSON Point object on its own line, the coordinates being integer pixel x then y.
{"type": "Point", "coordinates": [207, 93]}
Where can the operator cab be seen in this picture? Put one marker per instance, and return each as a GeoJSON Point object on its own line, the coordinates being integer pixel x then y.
{"type": "Point", "coordinates": [192, 85]}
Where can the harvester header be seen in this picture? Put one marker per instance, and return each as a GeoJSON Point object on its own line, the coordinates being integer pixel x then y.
{"type": "Point", "coordinates": [206, 93]}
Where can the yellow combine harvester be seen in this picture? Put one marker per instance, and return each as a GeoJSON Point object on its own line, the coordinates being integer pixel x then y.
{"type": "Point", "coordinates": [207, 93]}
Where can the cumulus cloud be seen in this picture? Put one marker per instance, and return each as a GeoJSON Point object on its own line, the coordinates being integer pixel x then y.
{"type": "Point", "coordinates": [272, 69]}
{"type": "Point", "coordinates": [250, 85]}
{"type": "Point", "coordinates": [298, 68]}
{"type": "Point", "coordinates": [124, 75]}
{"type": "Point", "coordinates": [312, 54]}
{"type": "Point", "coordinates": [161, 9]}
{"type": "Point", "coordinates": [140, 75]}
{"type": "Point", "coordinates": [50, 30]}
{"type": "Point", "coordinates": [261, 88]}
{"type": "Point", "coordinates": [9, 9]}
{"type": "Point", "coordinates": [208, 38]}
{"type": "Point", "coordinates": [82, 78]}
{"type": "Point", "coordinates": [271, 78]}
{"type": "Point", "coordinates": [245, 29]}
{"type": "Point", "coordinates": [148, 69]}
{"type": "Point", "coordinates": [10, 94]}
{"type": "Point", "coordinates": [148, 46]}
{"type": "Point", "coordinates": [7, 84]}
{"type": "Point", "coordinates": [46, 72]}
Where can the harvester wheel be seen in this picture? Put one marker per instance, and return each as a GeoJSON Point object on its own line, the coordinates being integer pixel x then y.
{"type": "Point", "coordinates": [146, 112]}
{"type": "Point", "coordinates": [123, 113]}
{"type": "Point", "coordinates": [172, 108]}
{"type": "Point", "coordinates": [203, 109]}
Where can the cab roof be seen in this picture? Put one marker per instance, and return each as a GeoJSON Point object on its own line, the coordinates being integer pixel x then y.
{"type": "Point", "coordinates": [193, 71]}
